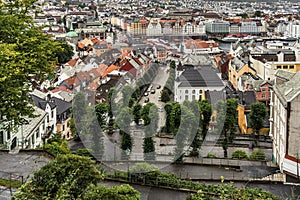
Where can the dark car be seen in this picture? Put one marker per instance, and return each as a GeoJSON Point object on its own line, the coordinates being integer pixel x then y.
{"type": "Point", "coordinates": [158, 87]}
{"type": "Point", "coordinates": [146, 100]}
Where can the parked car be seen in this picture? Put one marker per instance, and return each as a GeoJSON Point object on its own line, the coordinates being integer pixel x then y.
{"type": "Point", "coordinates": [152, 91]}
{"type": "Point", "coordinates": [146, 100]}
{"type": "Point", "coordinates": [146, 94]}
{"type": "Point", "coordinates": [159, 98]}
{"type": "Point", "coordinates": [158, 87]}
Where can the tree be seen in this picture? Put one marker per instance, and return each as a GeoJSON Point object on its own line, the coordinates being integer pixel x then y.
{"type": "Point", "coordinates": [226, 121]}
{"type": "Point", "coordinates": [165, 97]}
{"type": "Point", "coordinates": [65, 55]}
{"type": "Point", "coordinates": [137, 113]}
{"type": "Point", "coordinates": [26, 56]}
{"type": "Point", "coordinates": [66, 177]}
{"type": "Point", "coordinates": [93, 131]}
{"type": "Point", "coordinates": [257, 116]}
{"type": "Point", "coordinates": [79, 110]}
{"type": "Point", "coordinates": [168, 109]}
{"type": "Point", "coordinates": [257, 13]}
{"type": "Point", "coordinates": [56, 145]}
{"type": "Point", "coordinates": [123, 121]}
{"type": "Point", "coordinates": [183, 134]}
{"type": "Point", "coordinates": [206, 112]}
{"type": "Point", "coordinates": [127, 92]}
{"type": "Point", "coordinates": [151, 126]}
{"type": "Point", "coordinates": [110, 113]}
{"type": "Point", "coordinates": [101, 113]}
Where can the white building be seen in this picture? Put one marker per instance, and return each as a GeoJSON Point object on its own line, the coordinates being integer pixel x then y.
{"type": "Point", "coordinates": [27, 136]}
{"type": "Point", "coordinates": [193, 80]}
{"type": "Point", "coordinates": [154, 28]}
{"type": "Point", "coordinates": [284, 121]}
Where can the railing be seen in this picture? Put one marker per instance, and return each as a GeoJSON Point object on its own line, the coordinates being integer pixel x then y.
{"type": "Point", "coordinates": [9, 181]}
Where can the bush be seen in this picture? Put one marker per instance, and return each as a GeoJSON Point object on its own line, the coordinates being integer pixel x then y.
{"type": "Point", "coordinates": [257, 155]}
{"type": "Point", "coordinates": [143, 168]}
{"type": "Point", "coordinates": [239, 154]}
{"type": "Point", "coordinates": [211, 155]}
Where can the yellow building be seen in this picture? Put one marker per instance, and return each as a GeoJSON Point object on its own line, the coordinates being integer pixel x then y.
{"type": "Point", "coordinates": [237, 68]}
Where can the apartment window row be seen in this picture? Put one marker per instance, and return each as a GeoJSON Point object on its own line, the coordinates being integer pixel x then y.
{"type": "Point", "coordinates": [285, 67]}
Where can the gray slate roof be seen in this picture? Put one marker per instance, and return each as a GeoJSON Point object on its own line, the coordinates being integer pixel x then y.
{"type": "Point", "coordinates": [204, 76]}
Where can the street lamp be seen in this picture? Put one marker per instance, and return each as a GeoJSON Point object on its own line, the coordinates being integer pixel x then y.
{"type": "Point", "coordinates": [297, 158]}
{"type": "Point", "coordinates": [128, 154]}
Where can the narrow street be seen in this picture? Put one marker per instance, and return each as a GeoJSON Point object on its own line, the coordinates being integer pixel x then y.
{"type": "Point", "coordinates": [138, 134]}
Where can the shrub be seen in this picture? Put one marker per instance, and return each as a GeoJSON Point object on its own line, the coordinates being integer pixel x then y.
{"type": "Point", "coordinates": [211, 155]}
{"type": "Point", "coordinates": [239, 154]}
{"type": "Point", "coordinates": [143, 168]}
{"type": "Point", "coordinates": [257, 155]}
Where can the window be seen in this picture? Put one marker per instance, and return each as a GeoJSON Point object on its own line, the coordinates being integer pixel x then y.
{"type": "Point", "coordinates": [278, 67]}
{"type": "Point", "coordinates": [1, 137]}
{"type": "Point", "coordinates": [263, 96]}
{"type": "Point", "coordinates": [193, 92]}
{"type": "Point", "coordinates": [8, 135]}
{"type": "Point", "coordinates": [37, 133]}
{"type": "Point", "coordinates": [186, 91]}
{"type": "Point", "coordinates": [52, 114]}
{"type": "Point", "coordinates": [32, 139]}
{"type": "Point", "coordinates": [200, 92]}
{"type": "Point", "coordinates": [186, 97]}
{"type": "Point", "coordinates": [291, 66]}
{"type": "Point", "coordinates": [284, 66]}
{"type": "Point", "coordinates": [193, 97]}
{"type": "Point", "coordinates": [263, 89]}
{"type": "Point", "coordinates": [63, 128]}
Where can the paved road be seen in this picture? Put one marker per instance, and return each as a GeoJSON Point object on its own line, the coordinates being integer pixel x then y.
{"type": "Point", "coordinates": [138, 134]}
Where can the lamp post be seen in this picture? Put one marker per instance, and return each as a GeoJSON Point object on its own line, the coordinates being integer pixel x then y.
{"type": "Point", "coordinates": [128, 154]}
{"type": "Point", "coordinates": [297, 158]}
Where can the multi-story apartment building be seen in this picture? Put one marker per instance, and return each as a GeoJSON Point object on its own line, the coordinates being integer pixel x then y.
{"type": "Point", "coordinates": [267, 61]}
{"type": "Point", "coordinates": [284, 121]}
{"type": "Point", "coordinates": [217, 27]}
{"type": "Point", "coordinates": [248, 28]}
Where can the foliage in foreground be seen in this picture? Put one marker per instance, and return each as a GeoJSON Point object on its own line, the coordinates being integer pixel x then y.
{"type": "Point", "coordinates": [122, 192]}
{"type": "Point", "coordinates": [67, 175]}
{"type": "Point", "coordinates": [71, 177]}
{"type": "Point", "coordinates": [154, 177]}
{"type": "Point", "coordinates": [230, 192]}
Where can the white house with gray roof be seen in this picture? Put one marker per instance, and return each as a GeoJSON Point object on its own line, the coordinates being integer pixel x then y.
{"type": "Point", "coordinates": [26, 136]}
{"type": "Point", "coordinates": [192, 81]}
{"type": "Point", "coordinates": [284, 121]}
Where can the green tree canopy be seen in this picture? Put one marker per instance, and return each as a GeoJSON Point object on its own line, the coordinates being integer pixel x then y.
{"type": "Point", "coordinates": [26, 55]}
{"type": "Point", "coordinates": [66, 177]}
{"type": "Point", "coordinates": [66, 54]}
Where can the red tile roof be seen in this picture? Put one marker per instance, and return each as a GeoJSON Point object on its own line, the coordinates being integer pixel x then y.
{"type": "Point", "coordinates": [109, 69]}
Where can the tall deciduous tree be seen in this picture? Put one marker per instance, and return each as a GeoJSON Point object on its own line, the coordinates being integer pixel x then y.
{"type": "Point", "coordinates": [101, 113]}
{"type": "Point", "coordinates": [226, 121]}
{"type": "Point", "coordinates": [151, 126]}
{"type": "Point", "coordinates": [26, 55]}
{"type": "Point", "coordinates": [65, 55]}
{"type": "Point", "coordinates": [123, 121]}
{"type": "Point", "coordinates": [137, 113]}
{"type": "Point", "coordinates": [257, 116]}
{"type": "Point", "coordinates": [183, 134]}
{"type": "Point", "coordinates": [206, 112]}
